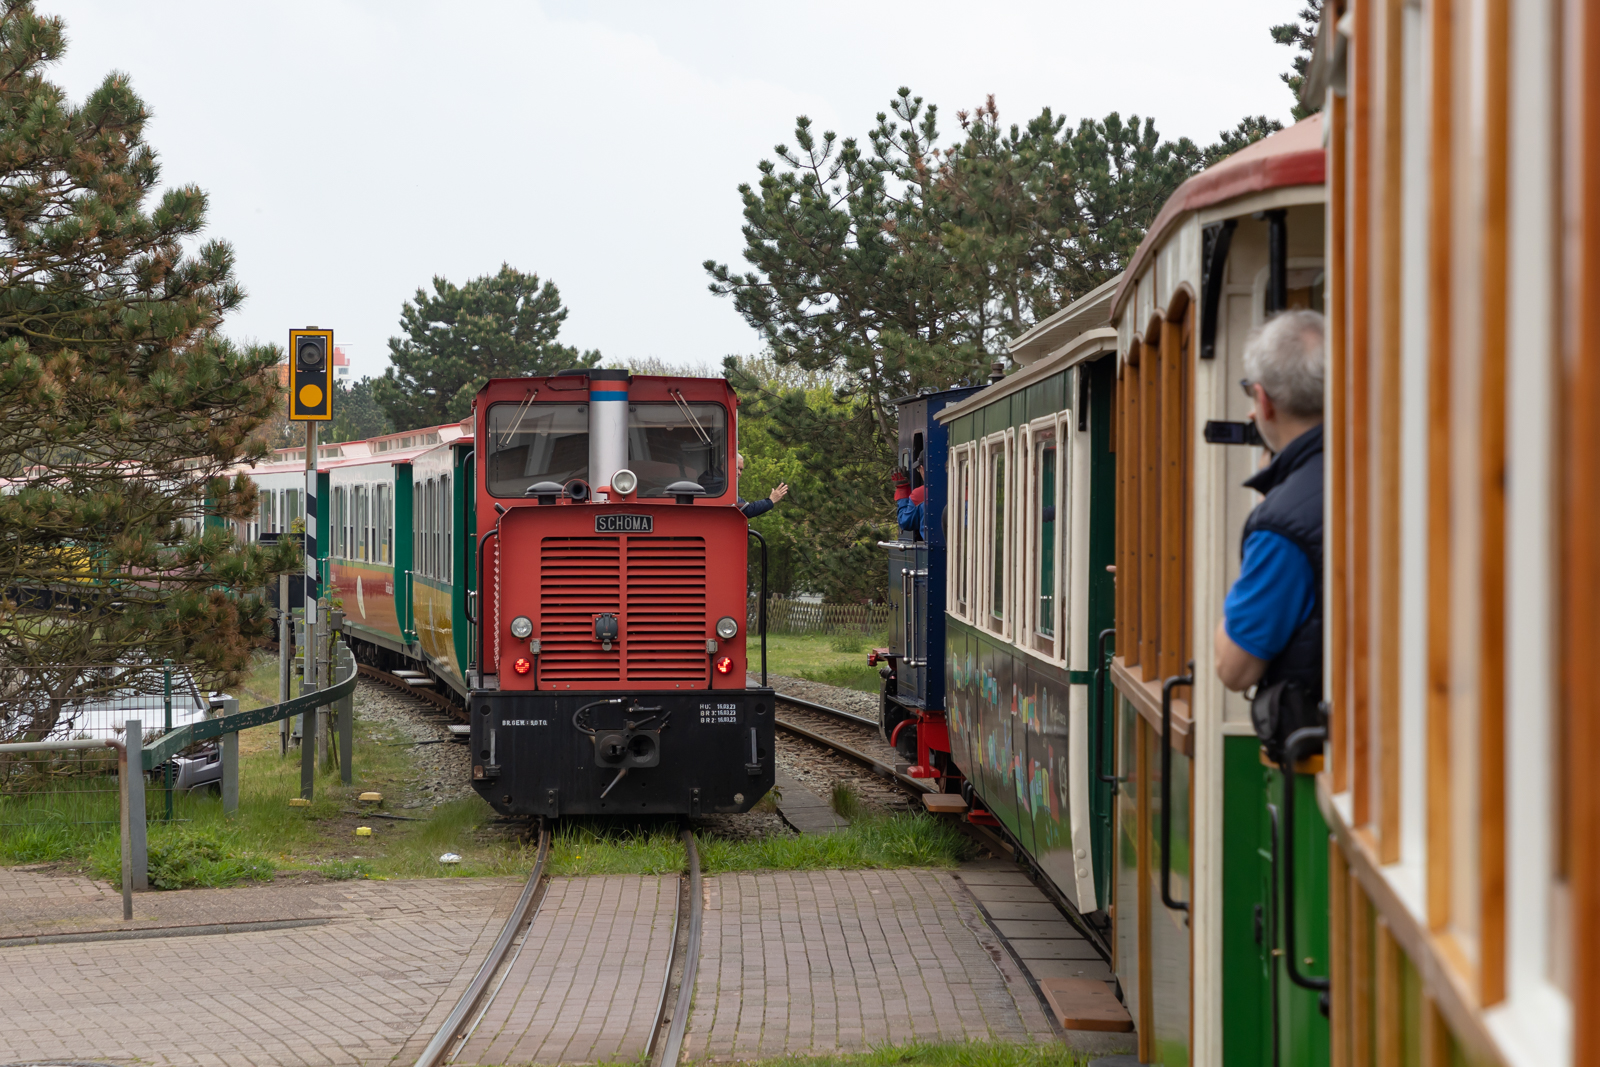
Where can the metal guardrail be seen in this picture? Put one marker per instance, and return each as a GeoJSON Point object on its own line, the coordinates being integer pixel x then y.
{"type": "Point", "coordinates": [170, 744]}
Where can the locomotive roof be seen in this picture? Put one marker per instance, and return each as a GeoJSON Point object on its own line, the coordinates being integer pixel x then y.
{"type": "Point", "coordinates": [1294, 156]}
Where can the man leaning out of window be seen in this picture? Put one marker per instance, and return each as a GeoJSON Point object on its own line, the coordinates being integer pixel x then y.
{"type": "Point", "coordinates": [1271, 628]}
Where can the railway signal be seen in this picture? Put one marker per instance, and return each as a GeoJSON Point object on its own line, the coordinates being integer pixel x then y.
{"type": "Point", "coordinates": [310, 375]}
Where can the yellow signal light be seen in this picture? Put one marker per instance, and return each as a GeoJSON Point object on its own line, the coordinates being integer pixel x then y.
{"type": "Point", "coordinates": [310, 375]}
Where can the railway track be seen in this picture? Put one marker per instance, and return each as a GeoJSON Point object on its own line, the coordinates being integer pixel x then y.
{"type": "Point", "coordinates": [423, 693]}
{"type": "Point", "coordinates": [851, 736]}
{"type": "Point", "coordinates": [666, 1040]}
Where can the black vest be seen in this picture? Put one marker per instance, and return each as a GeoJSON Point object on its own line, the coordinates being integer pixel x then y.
{"type": "Point", "coordinates": [1292, 483]}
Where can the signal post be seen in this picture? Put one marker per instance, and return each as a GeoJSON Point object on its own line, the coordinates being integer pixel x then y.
{"type": "Point", "coordinates": [310, 402]}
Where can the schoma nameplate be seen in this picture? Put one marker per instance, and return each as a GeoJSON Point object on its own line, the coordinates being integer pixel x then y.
{"type": "Point", "coordinates": [624, 524]}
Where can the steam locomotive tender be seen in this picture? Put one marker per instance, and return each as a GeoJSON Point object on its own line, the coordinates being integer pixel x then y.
{"type": "Point", "coordinates": [609, 618]}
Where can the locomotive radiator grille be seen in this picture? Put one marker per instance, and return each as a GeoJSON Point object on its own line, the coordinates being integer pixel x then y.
{"type": "Point", "coordinates": [578, 579]}
{"type": "Point", "coordinates": [656, 588]}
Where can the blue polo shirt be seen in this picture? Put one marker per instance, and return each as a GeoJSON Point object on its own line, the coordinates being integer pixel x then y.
{"type": "Point", "coordinates": [1275, 593]}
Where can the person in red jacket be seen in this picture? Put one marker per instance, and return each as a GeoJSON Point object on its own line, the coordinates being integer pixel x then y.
{"type": "Point", "coordinates": [908, 501]}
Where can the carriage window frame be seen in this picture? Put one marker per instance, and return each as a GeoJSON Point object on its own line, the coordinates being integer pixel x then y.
{"type": "Point", "coordinates": [963, 466]}
{"type": "Point", "coordinates": [996, 553]}
{"type": "Point", "coordinates": [1052, 646]}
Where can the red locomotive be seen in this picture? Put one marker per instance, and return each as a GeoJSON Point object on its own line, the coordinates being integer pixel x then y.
{"type": "Point", "coordinates": [610, 606]}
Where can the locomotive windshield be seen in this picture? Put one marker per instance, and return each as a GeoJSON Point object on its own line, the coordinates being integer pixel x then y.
{"type": "Point", "coordinates": [678, 442]}
{"type": "Point", "coordinates": [532, 443]}
{"type": "Point", "coordinates": [668, 442]}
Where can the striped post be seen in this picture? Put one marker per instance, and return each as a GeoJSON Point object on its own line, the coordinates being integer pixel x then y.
{"type": "Point", "coordinates": [308, 684]}
{"type": "Point", "coordinates": [312, 590]}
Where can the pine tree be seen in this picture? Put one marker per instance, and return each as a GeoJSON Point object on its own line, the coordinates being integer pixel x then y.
{"type": "Point", "coordinates": [498, 326]}
{"type": "Point", "coordinates": [899, 265]}
{"type": "Point", "coordinates": [356, 414]}
{"type": "Point", "coordinates": [122, 409]}
{"type": "Point", "coordinates": [1302, 37]}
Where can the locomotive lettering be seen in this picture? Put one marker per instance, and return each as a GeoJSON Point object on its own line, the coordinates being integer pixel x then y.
{"type": "Point", "coordinates": [624, 524]}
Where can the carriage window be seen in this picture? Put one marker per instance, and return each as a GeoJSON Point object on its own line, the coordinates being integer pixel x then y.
{"type": "Point", "coordinates": [997, 533]}
{"type": "Point", "coordinates": [678, 442]}
{"type": "Point", "coordinates": [531, 443]}
{"type": "Point", "coordinates": [1044, 495]}
{"type": "Point", "coordinates": [447, 513]}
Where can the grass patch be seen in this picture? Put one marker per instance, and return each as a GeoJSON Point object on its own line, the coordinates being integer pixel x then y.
{"type": "Point", "coordinates": [78, 824]}
{"type": "Point", "coordinates": [832, 659]}
{"type": "Point", "coordinates": [186, 857]}
{"type": "Point", "coordinates": [903, 840]}
{"type": "Point", "coordinates": [952, 1054]}
{"type": "Point", "coordinates": [594, 846]}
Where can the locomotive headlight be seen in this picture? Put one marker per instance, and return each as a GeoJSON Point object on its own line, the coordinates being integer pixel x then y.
{"type": "Point", "coordinates": [521, 627]}
{"type": "Point", "coordinates": [727, 627]}
{"type": "Point", "coordinates": [624, 481]}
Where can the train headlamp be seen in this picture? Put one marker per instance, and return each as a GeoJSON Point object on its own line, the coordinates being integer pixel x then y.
{"type": "Point", "coordinates": [521, 627]}
{"type": "Point", "coordinates": [727, 627]}
{"type": "Point", "coordinates": [624, 481]}
{"type": "Point", "coordinates": [724, 665]}
{"type": "Point", "coordinates": [522, 666]}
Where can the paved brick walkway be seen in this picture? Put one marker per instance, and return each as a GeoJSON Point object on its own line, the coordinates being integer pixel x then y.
{"type": "Point", "coordinates": [587, 978]}
{"type": "Point", "coordinates": [837, 960]}
{"type": "Point", "coordinates": [352, 991]}
{"type": "Point", "coordinates": [37, 902]}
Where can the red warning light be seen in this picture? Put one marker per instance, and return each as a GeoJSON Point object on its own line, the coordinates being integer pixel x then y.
{"type": "Point", "coordinates": [724, 664]}
{"type": "Point", "coordinates": [522, 666]}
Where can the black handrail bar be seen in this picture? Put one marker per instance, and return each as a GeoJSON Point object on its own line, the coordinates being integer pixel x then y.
{"type": "Point", "coordinates": [761, 613]}
{"type": "Point", "coordinates": [1291, 753]}
{"type": "Point", "coordinates": [1166, 787]}
{"type": "Point", "coordinates": [1107, 714]}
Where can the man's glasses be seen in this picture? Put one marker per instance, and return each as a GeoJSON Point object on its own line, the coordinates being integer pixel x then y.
{"type": "Point", "coordinates": [1249, 387]}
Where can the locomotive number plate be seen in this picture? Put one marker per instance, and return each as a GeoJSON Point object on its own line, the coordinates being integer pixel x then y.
{"type": "Point", "coordinates": [624, 524]}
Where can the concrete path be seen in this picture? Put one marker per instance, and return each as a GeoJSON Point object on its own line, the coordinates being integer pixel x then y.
{"type": "Point", "coordinates": [803, 809]}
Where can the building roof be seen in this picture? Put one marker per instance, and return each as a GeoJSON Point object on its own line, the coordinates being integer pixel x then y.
{"type": "Point", "coordinates": [1294, 156]}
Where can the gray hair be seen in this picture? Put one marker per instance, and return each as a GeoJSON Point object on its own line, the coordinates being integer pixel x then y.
{"type": "Point", "coordinates": [1284, 355]}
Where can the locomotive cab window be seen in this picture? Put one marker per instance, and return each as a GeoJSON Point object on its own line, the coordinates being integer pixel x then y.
{"type": "Point", "coordinates": [531, 443]}
{"type": "Point", "coordinates": [678, 442]}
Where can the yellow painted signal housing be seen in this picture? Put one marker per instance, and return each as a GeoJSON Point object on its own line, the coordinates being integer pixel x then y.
{"type": "Point", "coordinates": [310, 375]}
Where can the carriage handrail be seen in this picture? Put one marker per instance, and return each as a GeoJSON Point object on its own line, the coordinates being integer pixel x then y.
{"type": "Point", "coordinates": [1291, 753]}
{"type": "Point", "coordinates": [174, 741]}
{"type": "Point", "coordinates": [763, 615]}
{"type": "Point", "coordinates": [1107, 718]}
{"type": "Point", "coordinates": [1166, 787]}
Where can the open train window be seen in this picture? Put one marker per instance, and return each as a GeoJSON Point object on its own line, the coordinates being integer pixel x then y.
{"type": "Point", "coordinates": [678, 442]}
{"type": "Point", "coordinates": [530, 443]}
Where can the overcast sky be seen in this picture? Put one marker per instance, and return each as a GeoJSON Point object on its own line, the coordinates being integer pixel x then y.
{"type": "Point", "coordinates": [351, 150]}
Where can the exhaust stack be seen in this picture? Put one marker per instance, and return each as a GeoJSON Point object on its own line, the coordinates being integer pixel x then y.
{"type": "Point", "coordinates": [608, 425]}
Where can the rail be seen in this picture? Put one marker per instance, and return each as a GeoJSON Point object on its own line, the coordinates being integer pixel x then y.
{"type": "Point", "coordinates": [520, 915]}
{"type": "Point", "coordinates": [905, 781]}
